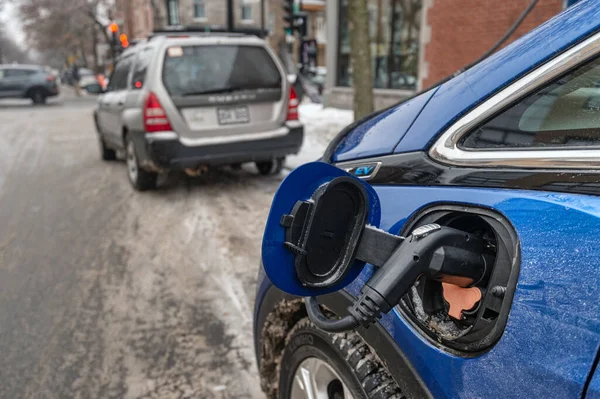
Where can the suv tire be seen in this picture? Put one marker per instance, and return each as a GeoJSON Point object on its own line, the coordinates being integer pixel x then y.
{"type": "Point", "coordinates": [38, 97]}
{"type": "Point", "coordinates": [139, 178]}
{"type": "Point", "coordinates": [272, 167]}
{"type": "Point", "coordinates": [345, 356]}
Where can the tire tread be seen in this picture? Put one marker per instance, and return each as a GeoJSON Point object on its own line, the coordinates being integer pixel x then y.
{"type": "Point", "coordinates": [370, 371]}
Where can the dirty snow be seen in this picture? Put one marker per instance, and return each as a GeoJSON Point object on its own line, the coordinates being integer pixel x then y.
{"type": "Point", "coordinates": [124, 294]}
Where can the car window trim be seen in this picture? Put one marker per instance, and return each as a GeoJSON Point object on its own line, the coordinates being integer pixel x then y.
{"type": "Point", "coordinates": [446, 149]}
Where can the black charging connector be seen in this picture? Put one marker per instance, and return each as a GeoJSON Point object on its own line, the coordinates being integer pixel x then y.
{"type": "Point", "coordinates": [441, 253]}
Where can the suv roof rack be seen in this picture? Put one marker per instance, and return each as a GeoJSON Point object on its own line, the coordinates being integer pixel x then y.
{"type": "Point", "coordinates": [201, 30]}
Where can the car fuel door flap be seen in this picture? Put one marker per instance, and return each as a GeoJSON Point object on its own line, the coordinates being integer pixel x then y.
{"type": "Point", "coordinates": [322, 229]}
{"type": "Point", "coordinates": [314, 228]}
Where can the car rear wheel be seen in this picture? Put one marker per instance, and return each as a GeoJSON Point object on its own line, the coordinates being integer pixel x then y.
{"type": "Point", "coordinates": [38, 97]}
{"type": "Point", "coordinates": [316, 364]}
{"type": "Point", "coordinates": [140, 179]}
{"type": "Point", "coordinates": [272, 167]}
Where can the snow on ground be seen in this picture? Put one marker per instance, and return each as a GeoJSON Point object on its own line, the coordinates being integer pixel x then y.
{"type": "Point", "coordinates": [320, 127]}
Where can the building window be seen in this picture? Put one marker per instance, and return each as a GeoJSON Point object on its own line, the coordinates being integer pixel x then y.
{"type": "Point", "coordinates": [321, 34]}
{"type": "Point", "coordinates": [271, 24]}
{"type": "Point", "coordinates": [247, 12]}
{"type": "Point", "coordinates": [199, 9]}
{"type": "Point", "coordinates": [394, 35]}
{"type": "Point", "coordinates": [173, 12]}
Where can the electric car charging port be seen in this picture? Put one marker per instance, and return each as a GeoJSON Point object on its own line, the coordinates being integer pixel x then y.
{"type": "Point", "coordinates": [467, 318]}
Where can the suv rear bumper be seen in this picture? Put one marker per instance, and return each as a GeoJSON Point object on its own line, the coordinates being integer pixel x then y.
{"type": "Point", "coordinates": [156, 151]}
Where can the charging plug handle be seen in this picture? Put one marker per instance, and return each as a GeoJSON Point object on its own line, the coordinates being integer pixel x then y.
{"type": "Point", "coordinates": [439, 252]}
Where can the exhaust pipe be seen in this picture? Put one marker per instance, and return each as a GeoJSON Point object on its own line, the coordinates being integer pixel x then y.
{"type": "Point", "coordinates": [199, 171]}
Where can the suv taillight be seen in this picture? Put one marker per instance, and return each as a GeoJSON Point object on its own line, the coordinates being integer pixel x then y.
{"type": "Point", "coordinates": [292, 114]}
{"type": "Point", "coordinates": [50, 78]}
{"type": "Point", "coordinates": [155, 117]}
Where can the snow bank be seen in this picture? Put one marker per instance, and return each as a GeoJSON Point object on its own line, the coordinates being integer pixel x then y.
{"type": "Point", "coordinates": [320, 127]}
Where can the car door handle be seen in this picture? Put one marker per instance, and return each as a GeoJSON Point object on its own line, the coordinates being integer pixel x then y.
{"type": "Point", "coordinates": [121, 103]}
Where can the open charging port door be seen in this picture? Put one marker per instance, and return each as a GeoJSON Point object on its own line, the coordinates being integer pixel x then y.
{"type": "Point", "coordinates": [316, 221]}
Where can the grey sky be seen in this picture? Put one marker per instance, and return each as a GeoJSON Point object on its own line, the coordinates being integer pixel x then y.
{"type": "Point", "coordinates": [11, 23]}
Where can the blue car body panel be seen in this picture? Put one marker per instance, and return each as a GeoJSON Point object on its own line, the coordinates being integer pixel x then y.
{"type": "Point", "coordinates": [553, 332]}
{"type": "Point", "coordinates": [373, 135]}
{"type": "Point", "coordinates": [457, 96]}
{"type": "Point", "coordinates": [553, 329]}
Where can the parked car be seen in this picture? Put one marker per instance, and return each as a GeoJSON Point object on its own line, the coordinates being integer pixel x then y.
{"type": "Point", "coordinates": [56, 73]}
{"type": "Point", "coordinates": [186, 101]}
{"type": "Point", "coordinates": [27, 81]}
{"type": "Point", "coordinates": [505, 159]}
{"type": "Point", "coordinates": [91, 84]}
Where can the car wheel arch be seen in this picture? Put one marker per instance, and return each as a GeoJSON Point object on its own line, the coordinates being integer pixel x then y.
{"type": "Point", "coordinates": [279, 312]}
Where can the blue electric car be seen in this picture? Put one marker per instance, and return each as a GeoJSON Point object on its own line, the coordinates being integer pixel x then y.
{"type": "Point", "coordinates": [448, 246]}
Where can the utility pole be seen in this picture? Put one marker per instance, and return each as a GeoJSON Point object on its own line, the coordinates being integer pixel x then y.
{"type": "Point", "coordinates": [230, 25]}
{"type": "Point", "coordinates": [114, 34]}
{"type": "Point", "coordinates": [360, 57]}
{"type": "Point", "coordinates": [289, 27]}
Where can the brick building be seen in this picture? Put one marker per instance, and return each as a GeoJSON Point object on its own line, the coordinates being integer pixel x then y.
{"type": "Point", "coordinates": [135, 17]}
{"type": "Point", "coordinates": [415, 43]}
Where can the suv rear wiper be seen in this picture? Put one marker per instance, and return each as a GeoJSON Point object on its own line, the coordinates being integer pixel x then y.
{"type": "Point", "coordinates": [229, 89]}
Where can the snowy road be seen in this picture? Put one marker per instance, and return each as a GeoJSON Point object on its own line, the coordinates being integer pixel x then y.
{"type": "Point", "coordinates": [106, 292]}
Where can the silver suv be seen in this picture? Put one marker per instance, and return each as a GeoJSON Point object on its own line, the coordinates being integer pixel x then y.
{"type": "Point", "coordinates": [189, 102]}
{"type": "Point", "coordinates": [27, 81]}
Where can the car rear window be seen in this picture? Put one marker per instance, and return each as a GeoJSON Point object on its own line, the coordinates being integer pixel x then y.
{"type": "Point", "coordinates": [208, 69]}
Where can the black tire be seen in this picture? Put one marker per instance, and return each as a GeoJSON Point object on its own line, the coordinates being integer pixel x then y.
{"type": "Point", "coordinates": [362, 373]}
{"type": "Point", "coordinates": [38, 97]}
{"type": "Point", "coordinates": [141, 180]}
{"type": "Point", "coordinates": [272, 167]}
{"type": "Point", "coordinates": [107, 154]}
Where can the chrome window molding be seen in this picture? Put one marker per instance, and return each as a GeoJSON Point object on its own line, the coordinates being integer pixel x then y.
{"type": "Point", "coordinates": [447, 151]}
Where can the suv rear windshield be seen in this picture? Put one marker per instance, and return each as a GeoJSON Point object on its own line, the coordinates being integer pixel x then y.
{"type": "Point", "coordinates": [210, 69]}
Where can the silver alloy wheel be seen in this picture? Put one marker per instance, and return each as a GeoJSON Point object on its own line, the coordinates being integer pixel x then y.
{"type": "Point", "coordinates": [132, 166]}
{"type": "Point", "coordinates": [315, 379]}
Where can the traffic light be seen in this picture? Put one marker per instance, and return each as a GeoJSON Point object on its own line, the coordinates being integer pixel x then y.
{"type": "Point", "coordinates": [124, 40]}
{"type": "Point", "coordinates": [114, 31]}
{"type": "Point", "coordinates": [288, 16]}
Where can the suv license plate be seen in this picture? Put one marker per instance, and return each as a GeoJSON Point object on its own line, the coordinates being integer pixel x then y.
{"type": "Point", "coordinates": [231, 115]}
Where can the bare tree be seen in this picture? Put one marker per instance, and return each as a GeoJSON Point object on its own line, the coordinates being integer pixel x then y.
{"type": "Point", "coordinates": [67, 27]}
{"type": "Point", "coordinates": [360, 57]}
